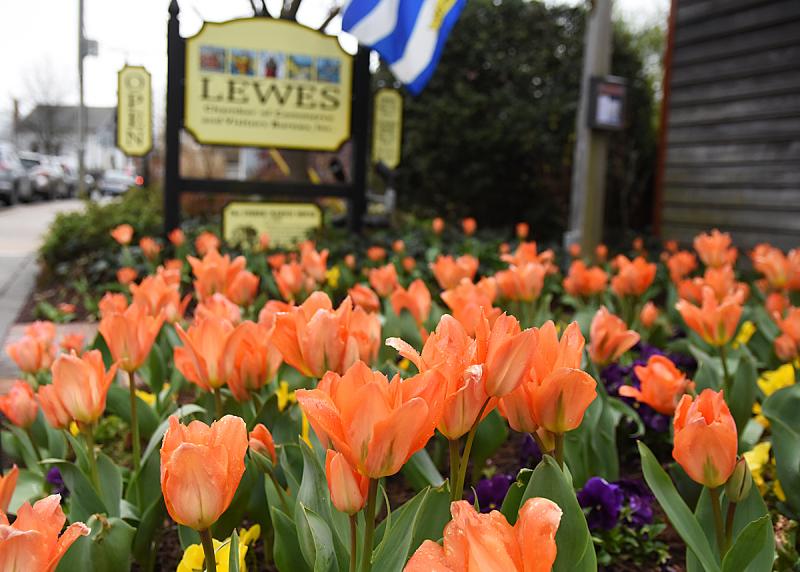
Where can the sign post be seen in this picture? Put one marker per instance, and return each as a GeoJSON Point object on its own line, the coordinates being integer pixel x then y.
{"type": "Point", "coordinates": [260, 82]}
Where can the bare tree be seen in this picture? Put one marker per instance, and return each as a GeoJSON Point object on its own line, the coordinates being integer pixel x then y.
{"type": "Point", "coordinates": [47, 88]}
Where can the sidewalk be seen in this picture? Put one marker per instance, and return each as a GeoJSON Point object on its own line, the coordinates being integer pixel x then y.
{"type": "Point", "coordinates": [21, 231]}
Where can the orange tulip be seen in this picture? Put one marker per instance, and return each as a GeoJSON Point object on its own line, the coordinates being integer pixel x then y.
{"type": "Point", "coordinates": [130, 335]}
{"type": "Point", "coordinates": [522, 230]}
{"type": "Point", "coordinates": [451, 353]}
{"type": "Point", "coordinates": [785, 348]}
{"type": "Point", "coordinates": [691, 289]}
{"type": "Point", "coordinates": [276, 260]}
{"type": "Point", "coordinates": [176, 237]}
{"type": "Point", "coordinates": [201, 467]}
{"type": "Point", "coordinates": [790, 324]}
{"type": "Point", "coordinates": [610, 337]}
{"type": "Point", "coordinates": [671, 246]}
{"type": "Point", "coordinates": [409, 263]}
{"type": "Point", "coordinates": [714, 322]}
{"type": "Point", "coordinates": [705, 438]}
{"type": "Point", "coordinates": [8, 483]}
{"type": "Point", "coordinates": [122, 234]}
{"type": "Point", "coordinates": [680, 265]}
{"type": "Point", "coordinates": [437, 225]}
{"type": "Point", "coordinates": [776, 303]}
{"type": "Point", "coordinates": [206, 242]}
{"type": "Point", "coordinates": [32, 543]}
{"type": "Point", "coordinates": [150, 248]}
{"type": "Point", "coordinates": [270, 311]}
{"type": "Point", "coordinates": [52, 408]}
{"type": "Point", "coordinates": [662, 385]}
{"type": "Point", "coordinates": [417, 300]}
{"type": "Point", "coordinates": [215, 273]}
{"type": "Point", "coordinates": [475, 542]}
{"type": "Point", "coordinates": [529, 252]}
{"type": "Point", "coordinates": [313, 338]}
{"type": "Point", "coordinates": [242, 290]}
{"type": "Point", "coordinates": [30, 354]}
{"type": "Point", "coordinates": [574, 250]}
{"type": "Point", "coordinates": [81, 385]}
{"type": "Point", "coordinates": [261, 442]}
{"type": "Point", "coordinates": [365, 297]}
{"type": "Point", "coordinates": [449, 271]}
{"type": "Point", "coordinates": [557, 392]}
{"type": "Point", "coordinates": [469, 302]}
{"type": "Point", "coordinates": [583, 281]}
{"type": "Point", "coordinates": [506, 352]}
{"type": "Point", "coordinates": [206, 357]}
{"type": "Point", "coordinates": [398, 246]}
{"type": "Point", "coordinates": [648, 315]}
{"type": "Point", "coordinates": [383, 279]}
{"type": "Point", "coordinates": [66, 308]}
{"type": "Point", "coordinates": [291, 281]}
{"type": "Point", "coordinates": [126, 275]}
{"type": "Point", "coordinates": [633, 277]}
{"type": "Point", "coordinates": [376, 253]}
{"type": "Point", "coordinates": [263, 241]}
{"type": "Point", "coordinates": [350, 261]}
{"type": "Point", "coordinates": [314, 263]}
{"type": "Point", "coordinates": [252, 360]}
{"type": "Point", "coordinates": [793, 281]}
{"type": "Point", "coordinates": [72, 342]}
{"type": "Point", "coordinates": [715, 248]}
{"type": "Point", "coordinates": [218, 306]}
{"type": "Point", "coordinates": [722, 281]}
{"type": "Point", "coordinates": [402, 415]}
{"type": "Point", "coordinates": [19, 405]}
{"type": "Point", "coordinates": [347, 487]}
{"type": "Point", "coordinates": [157, 296]}
{"type": "Point", "coordinates": [469, 225]}
{"type": "Point", "coordinates": [601, 252]}
{"type": "Point", "coordinates": [521, 283]}
{"type": "Point", "coordinates": [112, 303]}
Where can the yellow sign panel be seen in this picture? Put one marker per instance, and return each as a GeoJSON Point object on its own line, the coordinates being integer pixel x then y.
{"type": "Point", "coordinates": [267, 83]}
{"type": "Point", "coordinates": [387, 128]}
{"type": "Point", "coordinates": [284, 223]}
{"type": "Point", "coordinates": [134, 111]}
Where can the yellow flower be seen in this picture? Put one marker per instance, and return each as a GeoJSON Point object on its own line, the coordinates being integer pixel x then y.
{"type": "Point", "coordinates": [333, 276]}
{"type": "Point", "coordinates": [772, 381]}
{"type": "Point", "coordinates": [778, 490]}
{"type": "Point", "coordinates": [193, 557]}
{"type": "Point", "coordinates": [759, 418]}
{"type": "Point", "coordinates": [285, 397]}
{"type": "Point", "coordinates": [404, 364]}
{"type": "Point", "coordinates": [758, 458]}
{"type": "Point", "coordinates": [745, 333]}
{"type": "Point", "coordinates": [304, 429]}
{"type": "Point", "coordinates": [147, 397]}
{"type": "Point", "coordinates": [73, 429]}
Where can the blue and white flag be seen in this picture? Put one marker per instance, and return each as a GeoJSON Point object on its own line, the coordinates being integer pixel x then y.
{"type": "Point", "coordinates": [408, 34]}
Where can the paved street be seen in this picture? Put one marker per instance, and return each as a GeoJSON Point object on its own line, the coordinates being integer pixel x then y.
{"type": "Point", "coordinates": [21, 230]}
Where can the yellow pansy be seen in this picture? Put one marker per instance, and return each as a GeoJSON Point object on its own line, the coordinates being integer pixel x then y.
{"type": "Point", "coordinates": [285, 397]}
{"type": "Point", "coordinates": [73, 429]}
{"type": "Point", "coordinates": [772, 381]}
{"type": "Point", "coordinates": [147, 397]}
{"type": "Point", "coordinates": [745, 333]}
{"type": "Point", "coordinates": [333, 276]}
{"type": "Point", "coordinates": [304, 429]}
{"type": "Point", "coordinates": [759, 418]}
{"type": "Point", "coordinates": [758, 458]}
{"type": "Point", "coordinates": [193, 557]}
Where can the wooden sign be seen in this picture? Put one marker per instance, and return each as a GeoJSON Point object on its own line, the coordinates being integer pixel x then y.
{"type": "Point", "coordinates": [267, 83]}
{"type": "Point", "coordinates": [387, 128]}
{"type": "Point", "coordinates": [134, 111]}
{"type": "Point", "coordinates": [286, 224]}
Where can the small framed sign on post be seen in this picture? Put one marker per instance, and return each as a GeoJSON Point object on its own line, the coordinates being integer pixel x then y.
{"type": "Point", "coordinates": [608, 103]}
{"type": "Point", "coordinates": [285, 223]}
{"type": "Point", "coordinates": [387, 127]}
{"type": "Point", "coordinates": [134, 111]}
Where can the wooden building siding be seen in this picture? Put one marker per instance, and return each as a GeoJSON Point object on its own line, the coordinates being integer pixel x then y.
{"type": "Point", "coordinates": [732, 142]}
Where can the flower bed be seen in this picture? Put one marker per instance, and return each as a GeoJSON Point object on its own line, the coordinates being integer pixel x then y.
{"type": "Point", "coordinates": [442, 402]}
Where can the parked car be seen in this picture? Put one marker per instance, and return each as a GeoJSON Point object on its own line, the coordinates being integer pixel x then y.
{"type": "Point", "coordinates": [114, 183]}
{"type": "Point", "coordinates": [14, 182]}
{"type": "Point", "coordinates": [71, 178]}
{"type": "Point", "coordinates": [46, 175]}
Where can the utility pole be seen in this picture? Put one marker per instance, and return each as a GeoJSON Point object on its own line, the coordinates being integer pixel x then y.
{"type": "Point", "coordinates": [81, 107]}
{"type": "Point", "coordinates": [590, 158]}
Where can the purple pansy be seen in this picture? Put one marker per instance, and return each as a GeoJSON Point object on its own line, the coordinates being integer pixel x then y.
{"type": "Point", "coordinates": [604, 501]}
{"type": "Point", "coordinates": [640, 500]}
{"type": "Point", "coordinates": [56, 482]}
{"type": "Point", "coordinates": [490, 492]}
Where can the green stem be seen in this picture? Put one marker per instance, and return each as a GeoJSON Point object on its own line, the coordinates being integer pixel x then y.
{"type": "Point", "coordinates": [718, 526]}
{"type": "Point", "coordinates": [726, 376]}
{"type": "Point", "coordinates": [559, 449]}
{"type": "Point", "coordinates": [729, 525]}
{"type": "Point", "coordinates": [539, 443]}
{"type": "Point", "coordinates": [455, 460]}
{"type": "Point", "coordinates": [458, 493]}
{"type": "Point", "coordinates": [353, 542]}
{"type": "Point", "coordinates": [208, 550]}
{"type": "Point", "coordinates": [369, 526]}
{"type": "Point", "coordinates": [94, 474]}
{"type": "Point", "coordinates": [36, 452]}
{"type": "Point", "coordinates": [136, 443]}
{"type": "Point", "coordinates": [281, 492]}
{"type": "Point", "coordinates": [218, 402]}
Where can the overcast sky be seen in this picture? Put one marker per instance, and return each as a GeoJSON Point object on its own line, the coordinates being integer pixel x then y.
{"type": "Point", "coordinates": [38, 40]}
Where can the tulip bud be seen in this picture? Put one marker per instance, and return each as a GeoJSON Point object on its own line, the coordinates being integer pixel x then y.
{"type": "Point", "coordinates": [261, 442]}
{"type": "Point", "coordinates": [785, 348]}
{"type": "Point", "coordinates": [348, 488]}
{"type": "Point", "coordinates": [738, 486]}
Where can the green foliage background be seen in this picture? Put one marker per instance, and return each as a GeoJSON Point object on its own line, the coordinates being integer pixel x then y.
{"type": "Point", "coordinates": [492, 134]}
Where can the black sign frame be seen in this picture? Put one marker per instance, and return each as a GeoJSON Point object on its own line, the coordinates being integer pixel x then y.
{"type": "Point", "coordinates": [175, 185]}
